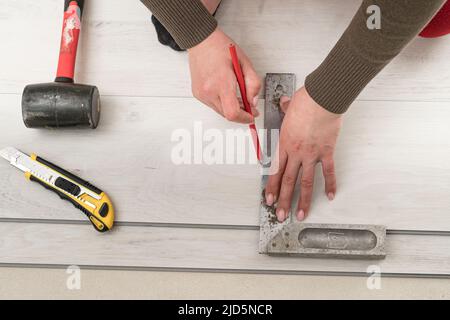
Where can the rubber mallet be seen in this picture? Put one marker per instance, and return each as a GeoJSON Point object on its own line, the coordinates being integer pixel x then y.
{"type": "Point", "coordinates": [63, 103]}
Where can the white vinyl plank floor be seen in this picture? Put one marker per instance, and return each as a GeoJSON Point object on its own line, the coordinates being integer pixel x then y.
{"type": "Point", "coordinates": [392, 160]}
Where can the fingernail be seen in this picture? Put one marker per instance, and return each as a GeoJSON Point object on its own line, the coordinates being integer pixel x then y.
{"type": "Point", "coordinates": [269, 199]}
{"type": "Point", "coordinates": [331, 196]}
{"type": "Point", "coordinates": [280, 215]}
{"type": "Point", "coordinates": [255, 101]}
{"type": "Point", "coordinates": [300, 215]}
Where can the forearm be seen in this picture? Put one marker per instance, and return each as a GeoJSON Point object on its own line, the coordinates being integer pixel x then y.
{"type": "Point", "coordinates": [188, 21]}
{"type": "Point", "coordinates": [361, 53]}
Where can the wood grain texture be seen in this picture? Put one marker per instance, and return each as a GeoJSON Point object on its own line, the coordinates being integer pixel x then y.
{"type": "Point", "coordinates": [200, 249]}
{"type": "Point", "coordinates": [120, 54]}
{"type": "Point", "coordinates": [392, 158]}
{"type": "Point", "coordinates": [129, 156]}
{"type": "Point", "coordinates": [392, 166]}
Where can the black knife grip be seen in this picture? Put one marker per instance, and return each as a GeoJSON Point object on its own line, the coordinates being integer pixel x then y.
{"type": "Point", "coordinates": [69, 175]}
{"type": "Point", "coordinates": [67, 198]}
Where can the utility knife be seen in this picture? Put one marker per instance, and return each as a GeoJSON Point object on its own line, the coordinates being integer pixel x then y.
{"type": "Point", "coordinates": [84, 196]}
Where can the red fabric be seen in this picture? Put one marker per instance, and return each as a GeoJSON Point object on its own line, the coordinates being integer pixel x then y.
{"type": "Point", "coordinates": [440, 25]}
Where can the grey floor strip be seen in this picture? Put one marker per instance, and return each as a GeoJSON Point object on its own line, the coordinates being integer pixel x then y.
{"type": "Point", "coordinates": [135, 224]}
{"type": "Point", "coordinates": [232, 271]}
{"type": "Point", "coordinates": [202, 226]}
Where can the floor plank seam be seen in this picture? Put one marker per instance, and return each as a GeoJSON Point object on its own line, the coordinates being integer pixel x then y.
{"type": "Point", "coordinates": [230, 271]}
{"type": "Point", "coordinates": [201, 226]}
{"type": "Point", "coordinates": [134, 224]}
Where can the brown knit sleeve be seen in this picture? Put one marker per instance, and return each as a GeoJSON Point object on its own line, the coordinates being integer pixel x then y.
{"type": "Point", "coordinates": [361, 53]}
{"type": "Point", "coordinates": [188, 21]}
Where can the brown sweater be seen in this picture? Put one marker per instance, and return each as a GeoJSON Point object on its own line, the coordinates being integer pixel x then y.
{"type": "Point", "coordinates": [359, 55]}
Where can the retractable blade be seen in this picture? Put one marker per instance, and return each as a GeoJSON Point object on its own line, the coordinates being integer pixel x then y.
{"type": "Point", "coordinates": [92, 201]}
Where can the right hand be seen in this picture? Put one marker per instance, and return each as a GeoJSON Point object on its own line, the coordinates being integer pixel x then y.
{"type": "Point", "coordinates": [214, 82]}
{"type": "Point", "coordinates": [308, 136]}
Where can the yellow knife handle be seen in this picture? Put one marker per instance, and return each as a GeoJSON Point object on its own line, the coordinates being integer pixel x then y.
{"type": "Point", "coordinates": [68, 186]}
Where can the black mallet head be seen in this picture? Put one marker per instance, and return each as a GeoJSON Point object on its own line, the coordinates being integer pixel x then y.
{"type": "Point", "coordinates": [60, 104]}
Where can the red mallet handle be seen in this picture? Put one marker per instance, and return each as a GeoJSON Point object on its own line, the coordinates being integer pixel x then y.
{"type": "Point", "coordinates": [241, 82]}
{"type": "Point", "coordinates": [69, 43]}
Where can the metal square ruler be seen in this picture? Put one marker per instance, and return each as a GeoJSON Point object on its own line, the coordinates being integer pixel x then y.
{"type": "Point", "coordinates": [302, 239]}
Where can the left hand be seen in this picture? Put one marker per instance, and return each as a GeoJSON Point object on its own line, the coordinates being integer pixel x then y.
{"type": "Point", "coordinates": [308, 136]}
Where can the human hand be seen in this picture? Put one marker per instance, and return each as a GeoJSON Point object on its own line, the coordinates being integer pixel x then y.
{"type": "Point", "coordinates": [214, 82]}
{"type": "Point", "coordinates": [308, 136]}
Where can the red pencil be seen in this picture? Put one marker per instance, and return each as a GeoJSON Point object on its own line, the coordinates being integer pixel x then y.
{"type": "Point", "coordinates": [241, 83]}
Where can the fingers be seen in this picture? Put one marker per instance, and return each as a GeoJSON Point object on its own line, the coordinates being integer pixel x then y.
{"type": "Point", "coordinates": [306, 190]}
{"type": "Point", "coordinates": [252, 82]}
{"type": "Point", "coordinates": [329, 174]}
{"type": "Point", "coordinates": [284, 103]}
{"type": "Point", "coordinates": [255, 111]}
{"type": "Point", "coordinates": [230, 107]}
{"type": "Point", "coordinates": [232, 110]}
{"type": "Point", "coordinates": [276, 174]}
{"type": "Point", "coordinates": [220, 91]}
{"type": "Point", "coordinates": [281, 185]}
{"type": "Point", "coordinates": [287, 188]}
